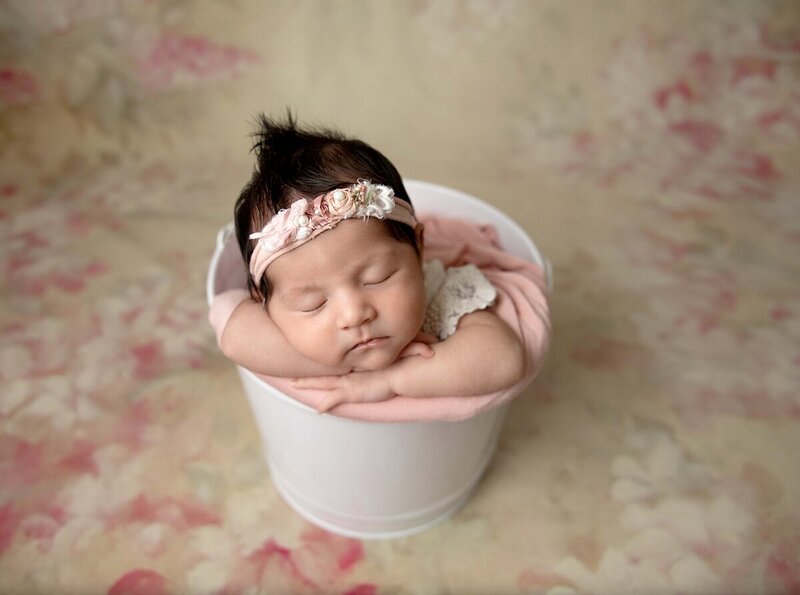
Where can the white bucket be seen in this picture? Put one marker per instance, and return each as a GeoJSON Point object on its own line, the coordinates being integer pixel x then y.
{"type": "Point", "coordinates": [368, 479]}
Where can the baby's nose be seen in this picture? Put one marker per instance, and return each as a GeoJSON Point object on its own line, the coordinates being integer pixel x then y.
{"type": "Point", "coordinates": [355, 311]}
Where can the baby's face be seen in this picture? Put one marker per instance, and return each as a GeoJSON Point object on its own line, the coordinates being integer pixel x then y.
{"type": "Point", "coordinates": [354, 296]}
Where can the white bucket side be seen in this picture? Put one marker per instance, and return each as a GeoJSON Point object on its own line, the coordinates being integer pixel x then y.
{"type": "Point", "coordinates": [371, 479]}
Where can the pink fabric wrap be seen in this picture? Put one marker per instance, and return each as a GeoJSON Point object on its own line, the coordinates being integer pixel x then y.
{"type": "Point", "coordinates": [521, 302]}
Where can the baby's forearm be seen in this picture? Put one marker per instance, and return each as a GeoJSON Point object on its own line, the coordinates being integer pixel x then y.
{"type": "Point", "coordinates": [483, 356]}
{"type": "Point", "coordinates": [252, 340]}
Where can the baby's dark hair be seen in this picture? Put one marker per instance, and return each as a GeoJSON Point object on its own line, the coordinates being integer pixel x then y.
{"type": "Point", "coordinates": [294, 163]}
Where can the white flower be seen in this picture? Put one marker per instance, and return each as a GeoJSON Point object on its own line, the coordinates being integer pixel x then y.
{"type": "Point", "coordinates": [381, 203]}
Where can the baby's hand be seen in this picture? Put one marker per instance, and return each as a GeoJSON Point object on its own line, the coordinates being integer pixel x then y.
{"type": "Point", "coordinates": [356, 387]}
{"type": "Point", "coordinates": [420, 345]}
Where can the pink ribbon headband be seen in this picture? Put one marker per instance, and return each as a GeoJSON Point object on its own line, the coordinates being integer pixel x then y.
{"type": "Point", "coordinates": [304, 220]}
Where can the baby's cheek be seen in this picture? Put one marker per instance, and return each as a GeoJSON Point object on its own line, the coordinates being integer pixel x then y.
{"type": "Point", "coordinates": [312, 345]}
{"type": "Point", "coordinates": [416, 309]}
{"type": "Point", "coordinates": [323, 352]}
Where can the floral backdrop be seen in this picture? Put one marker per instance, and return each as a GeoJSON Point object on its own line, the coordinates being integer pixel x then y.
{"type": "Point", "coordinates": [651, 150]}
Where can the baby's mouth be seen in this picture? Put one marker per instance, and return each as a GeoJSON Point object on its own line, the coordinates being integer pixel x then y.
{"type": "Point", "coordinates": [369, 343]}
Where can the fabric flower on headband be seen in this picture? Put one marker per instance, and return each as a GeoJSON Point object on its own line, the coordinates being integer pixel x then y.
{"type": "Point", "coordinates": [305, 219]}
{"type": "Point", "coordinates": [302, 218]}
{"type": "Point", "coordinates": [286, 225]}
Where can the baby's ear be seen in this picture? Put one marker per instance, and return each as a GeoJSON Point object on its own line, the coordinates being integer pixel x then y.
{"type": "Point", "coordinates": [420, 233]}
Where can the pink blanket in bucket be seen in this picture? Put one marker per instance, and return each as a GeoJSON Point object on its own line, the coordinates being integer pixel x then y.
{"type": "Point", "coordinates": [521, 302]}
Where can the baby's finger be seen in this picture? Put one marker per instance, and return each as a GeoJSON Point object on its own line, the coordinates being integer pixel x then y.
{"type": "Point", "coordinates": [420, 349]}
{"type": "Point", "coordinates": [327, 403]}
{"type": "Point", "coordinates": [425, 350]}
{"type": "Point", "coordinates": [316, 382]}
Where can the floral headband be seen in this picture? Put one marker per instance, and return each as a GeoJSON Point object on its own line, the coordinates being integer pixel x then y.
{"type": "Point", "coordinates": [304, 219]}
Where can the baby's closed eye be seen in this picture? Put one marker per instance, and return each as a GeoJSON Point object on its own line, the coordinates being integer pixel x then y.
{"type": "Point", "coordinates": [378, 277]}
{"type": "Point", "coordinates": [308, 303]}
{"type": "Point", "coordinates": [308, 308]}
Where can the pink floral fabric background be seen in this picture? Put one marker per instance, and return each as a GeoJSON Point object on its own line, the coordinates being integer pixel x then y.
{"type": "Point", "coordinates": [651, 149]}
